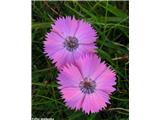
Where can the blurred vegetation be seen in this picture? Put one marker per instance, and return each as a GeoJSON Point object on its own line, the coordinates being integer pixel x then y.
{"type": "Point", "coordinates": [111, 21]}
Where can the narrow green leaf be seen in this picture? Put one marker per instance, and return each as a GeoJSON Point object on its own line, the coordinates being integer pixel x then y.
{"type": "Point", "coordinates": [41, 25]}
{"type": "Point", "coordinates": [117, 12]}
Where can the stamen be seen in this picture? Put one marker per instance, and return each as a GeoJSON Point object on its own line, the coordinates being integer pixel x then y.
{"type": "Point", "coordinates": [71, 43]}
{"type": "Point", "coordinates": [87, 86]}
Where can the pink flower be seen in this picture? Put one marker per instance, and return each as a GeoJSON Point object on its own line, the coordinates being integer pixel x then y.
{"type": "Point", "coordinates": [87, 85]}
{"type": "Point", "coordinates": [69, 38]}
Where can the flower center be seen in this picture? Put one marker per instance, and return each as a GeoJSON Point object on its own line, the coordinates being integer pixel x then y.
{"type": "Point", "coordinates": [87, 86]}
{"type": "Point", "coordinates": [71, 43]}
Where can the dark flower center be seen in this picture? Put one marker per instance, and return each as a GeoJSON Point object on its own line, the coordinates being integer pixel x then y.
{"type": "Point", "coordinates": [87, 86]}
{"type": "Point", "coordinates": [71, 43]}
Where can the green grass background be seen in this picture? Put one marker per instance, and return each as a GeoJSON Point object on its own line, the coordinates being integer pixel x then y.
{"type": "Point", "coordinates": [110, 19]}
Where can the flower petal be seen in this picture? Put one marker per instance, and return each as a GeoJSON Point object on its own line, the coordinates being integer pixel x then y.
{"type": "Point", "coordinates": [95, 102]}
{"type": "Point", "coordinates": [73, 97]}
{"type": "Point", "coordinates": [85, 33]}
{"type": "Point", "coordinates": [88, 64]}
{"type": "Point", "coordinates": [69, 76]}
{"type": "Point", "coordinates": [106, 80]}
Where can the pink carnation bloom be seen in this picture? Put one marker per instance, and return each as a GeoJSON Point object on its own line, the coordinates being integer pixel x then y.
{"type": "Point", "coordinates": [69, 38]}
{"type": "Point", "coordinates": [87, 85]}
